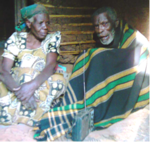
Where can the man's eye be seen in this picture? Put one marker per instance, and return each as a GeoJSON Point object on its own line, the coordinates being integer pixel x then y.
{"type": "Point", "coordinates": [105, 23]}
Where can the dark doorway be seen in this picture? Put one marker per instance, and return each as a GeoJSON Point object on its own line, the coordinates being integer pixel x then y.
{"type": "Point", "coordinates": [30, 2]}
{"type": "Point", "coordinates": [7, 19]}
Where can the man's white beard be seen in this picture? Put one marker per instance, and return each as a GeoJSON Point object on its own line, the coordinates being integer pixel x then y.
{"type": "Point", "coordinates": [111, 38]}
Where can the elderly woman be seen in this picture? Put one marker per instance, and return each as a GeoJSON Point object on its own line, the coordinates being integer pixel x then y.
{"type": "Point", "coordinates": [28, 86]}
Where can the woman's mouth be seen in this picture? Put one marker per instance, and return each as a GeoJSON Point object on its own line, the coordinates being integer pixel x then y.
{"type": "Point", "coordinates": [43, 34]}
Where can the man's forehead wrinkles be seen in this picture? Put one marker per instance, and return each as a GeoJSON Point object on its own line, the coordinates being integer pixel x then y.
{"type": "Point", "coordinates": [99, 21]}
{"type": "Point", "coordinates": [100, 18]}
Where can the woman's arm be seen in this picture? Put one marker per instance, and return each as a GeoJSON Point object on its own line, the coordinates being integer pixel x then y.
{"type": "Point", "coordinates": [5, 75]}
{"type": "Point", "coordinates": [51, 62]}
{"type": "Point", "coordinates": [28, 89]}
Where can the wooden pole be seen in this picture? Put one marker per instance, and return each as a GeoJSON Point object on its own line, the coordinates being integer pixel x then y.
{"type": "Point", "coordinates": [69, 16]}
{"type": "Point", "coordinates": [70, 52]}
{"type": "Point", "coordinates": [75, 32]}
{"type": "Point", "coordinates": [73, 24]}
{"type": "Point", "coordinates": [79, 24]}
{"type": "Point", "coordinates": [77, 42]}
{"type": "Point", "coordinates": [18, 5]}
{"type": "Point", "coordinates": [62, 7]}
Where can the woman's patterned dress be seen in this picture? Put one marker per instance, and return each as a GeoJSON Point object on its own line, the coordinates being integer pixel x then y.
{"type": "Point", "coordinates": [28, 63]}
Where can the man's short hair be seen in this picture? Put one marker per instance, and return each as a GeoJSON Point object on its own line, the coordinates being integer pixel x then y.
{"type": "Point", "coordinates": [110, 11]}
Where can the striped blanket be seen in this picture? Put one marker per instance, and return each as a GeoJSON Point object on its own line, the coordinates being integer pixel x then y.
{"type": "Point", "coordinates": [116, 84]}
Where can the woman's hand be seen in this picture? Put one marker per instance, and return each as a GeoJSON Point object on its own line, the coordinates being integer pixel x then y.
{"type": "Point", "coordinates": [31, 103]}
{"type": "Point", "coordinates": [25, 91]}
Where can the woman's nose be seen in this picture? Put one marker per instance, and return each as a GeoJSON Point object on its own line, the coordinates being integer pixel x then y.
{"type": "Point", "coordinates": [45, 26]}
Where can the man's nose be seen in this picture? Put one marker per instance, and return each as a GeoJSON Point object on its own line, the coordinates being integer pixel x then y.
{"type": "Point", "coordinates": [100, 28]}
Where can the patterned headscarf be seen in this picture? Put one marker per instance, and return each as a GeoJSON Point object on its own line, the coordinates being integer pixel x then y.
{"type": "Point", "coordinates": [27, 13]}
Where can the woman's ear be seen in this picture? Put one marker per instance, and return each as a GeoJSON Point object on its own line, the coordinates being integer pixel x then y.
{"type": "Point", "coordinates": [28, 23]}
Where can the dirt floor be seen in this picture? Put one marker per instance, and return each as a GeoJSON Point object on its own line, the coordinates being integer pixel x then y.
{"type": "Point", "coordinates": [135, 128]}
{"type": "Point", "coordinates": [132, 129]}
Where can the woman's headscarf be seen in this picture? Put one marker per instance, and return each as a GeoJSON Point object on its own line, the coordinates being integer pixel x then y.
{"type": "Point", "coordinates": [27, 13]}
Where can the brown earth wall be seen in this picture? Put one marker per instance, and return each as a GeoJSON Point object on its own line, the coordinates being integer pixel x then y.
{"type": "Point", "coordinates": [75, 12]}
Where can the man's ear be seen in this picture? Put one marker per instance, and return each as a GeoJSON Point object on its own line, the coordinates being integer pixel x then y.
{"type": "Point", "coordinates": [28, 23]}
{"type": "Point", "coordinates": [116, 23]}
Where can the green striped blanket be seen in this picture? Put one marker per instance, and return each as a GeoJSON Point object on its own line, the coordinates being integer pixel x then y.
{"type": "Point", "coordinates": [116, 84]}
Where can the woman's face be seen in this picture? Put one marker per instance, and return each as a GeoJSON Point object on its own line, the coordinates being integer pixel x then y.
{"type": "Point", "coordinates": [40, 26]}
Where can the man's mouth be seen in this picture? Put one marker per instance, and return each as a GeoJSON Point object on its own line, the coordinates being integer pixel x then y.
{"type": "Point", "coordinates": [104, 37]}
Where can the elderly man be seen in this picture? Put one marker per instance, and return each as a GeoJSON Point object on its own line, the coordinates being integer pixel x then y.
{"type": "Point", "coordinates": [113, 77]}
{"type": "Point", "coordinates": [105, 24]}
{"type": "Point", "coordinates": [111, 32]}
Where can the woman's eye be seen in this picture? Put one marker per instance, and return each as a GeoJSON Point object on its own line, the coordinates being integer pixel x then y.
{"type": "Point", "coordinates": [40, 23]}
{"type": "Point", "coordinates": [48, 23]}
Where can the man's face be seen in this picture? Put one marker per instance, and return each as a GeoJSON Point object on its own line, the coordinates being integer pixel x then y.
{"type": "Point", "coordinates": [104, 28]}
{"type": "Point", "coordinates": [40, 26]}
